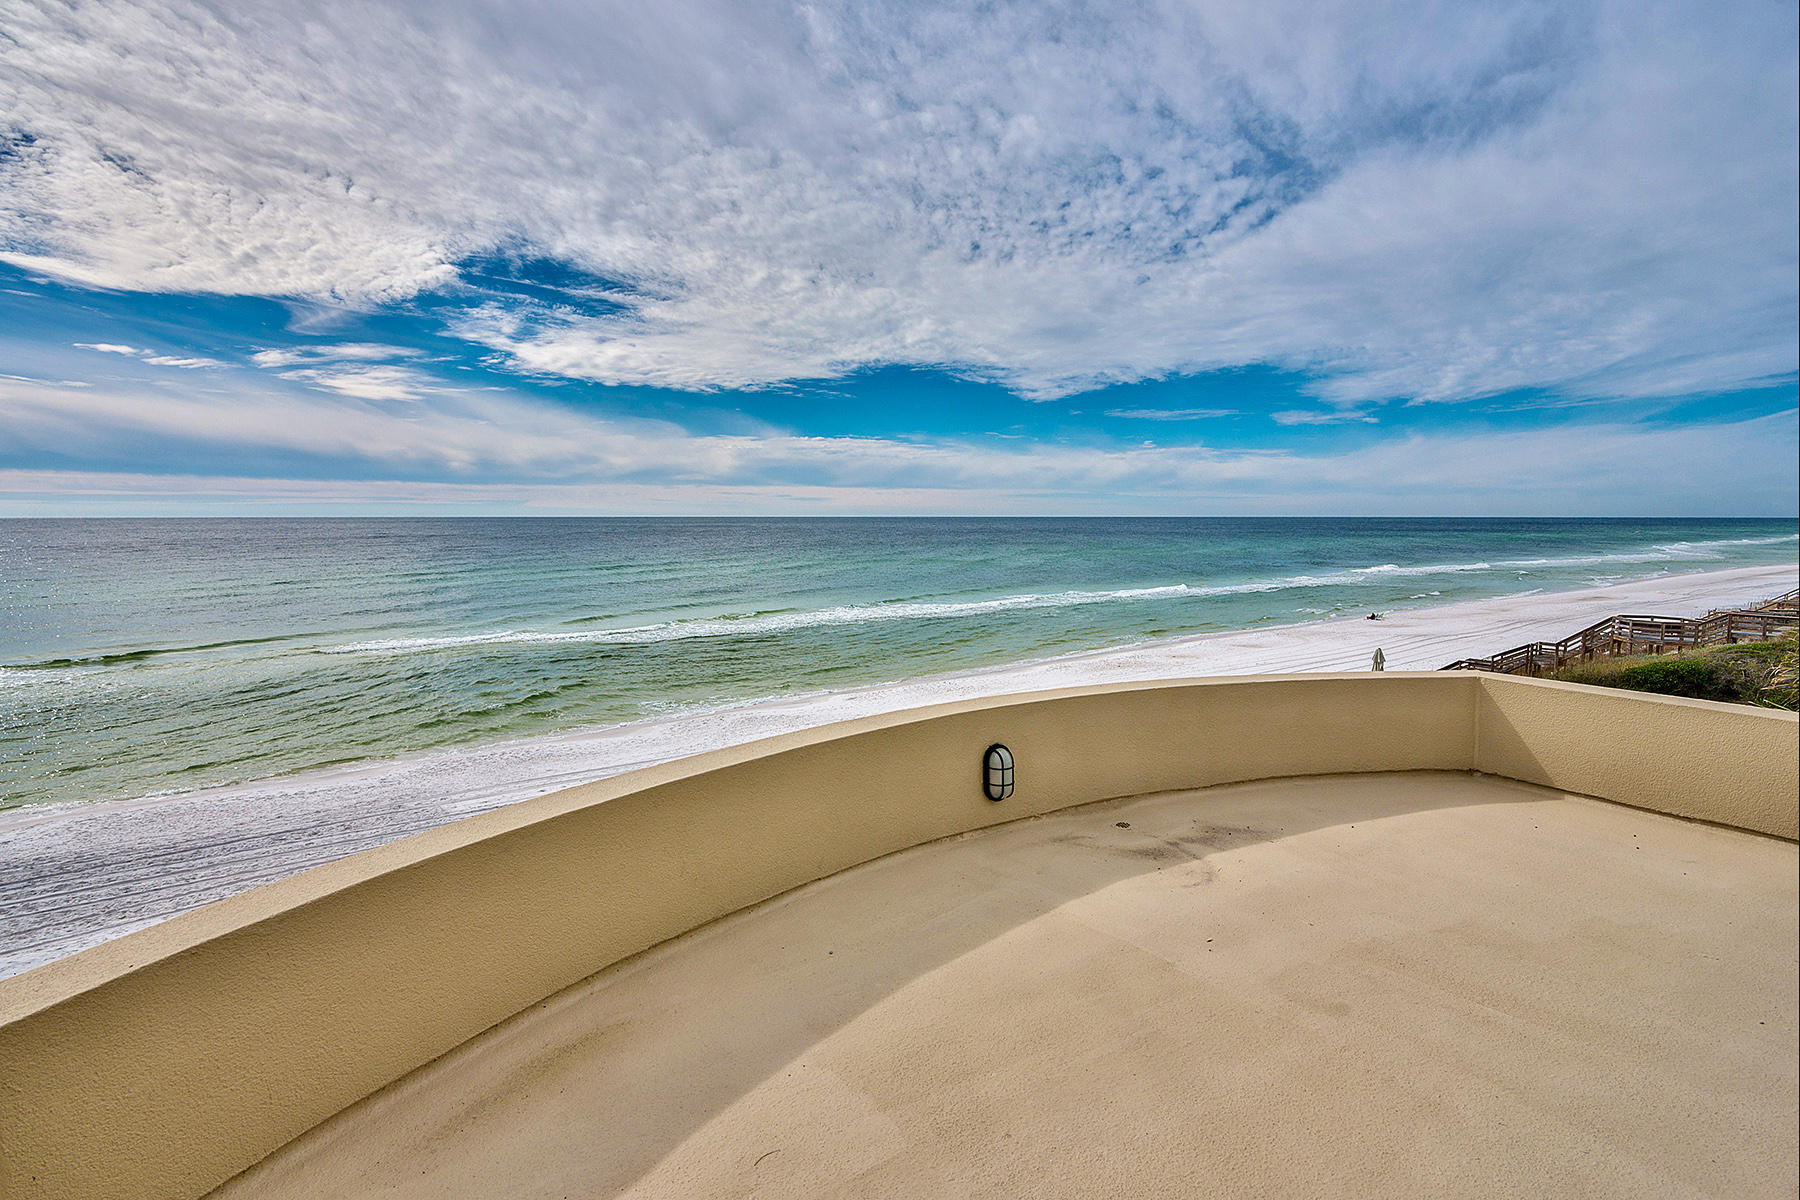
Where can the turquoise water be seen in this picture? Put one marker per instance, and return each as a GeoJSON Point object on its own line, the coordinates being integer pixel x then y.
{"type": "Point", "coordinates": [144, 656]}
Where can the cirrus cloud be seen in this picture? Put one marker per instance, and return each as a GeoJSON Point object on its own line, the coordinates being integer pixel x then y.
{"type": "Point", "coordinates": [1429, 202]}
{"type": "Point", "coordinates": [492, 449]}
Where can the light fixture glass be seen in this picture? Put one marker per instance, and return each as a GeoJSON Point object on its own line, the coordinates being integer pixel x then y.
{"type": "Point", "coordinates": [997, 772]}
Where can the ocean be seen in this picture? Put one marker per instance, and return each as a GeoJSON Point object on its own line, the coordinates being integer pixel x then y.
{"type": "Point", "coordinates": [147, 656]}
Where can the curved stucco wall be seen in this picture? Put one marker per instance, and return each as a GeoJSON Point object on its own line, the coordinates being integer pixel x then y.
{"type": "Point", "coordinates": [1724, 763]}
{"type": "Point", "coordinates": [161, 1064]}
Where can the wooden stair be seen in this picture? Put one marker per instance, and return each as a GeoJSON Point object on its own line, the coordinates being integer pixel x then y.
{"type": "Point", "coordinates": [1631, 633]}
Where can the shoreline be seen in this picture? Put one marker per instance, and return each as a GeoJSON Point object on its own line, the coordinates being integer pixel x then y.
{"type": "Point", "coordinates": [79, 874]}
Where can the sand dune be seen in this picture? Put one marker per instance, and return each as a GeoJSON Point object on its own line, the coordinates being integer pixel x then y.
{"type": "Point", "coordinates": [76, 875]}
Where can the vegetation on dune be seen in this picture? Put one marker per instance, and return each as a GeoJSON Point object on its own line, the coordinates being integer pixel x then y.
{"type": "Point", "coordinates": [1762, 673]}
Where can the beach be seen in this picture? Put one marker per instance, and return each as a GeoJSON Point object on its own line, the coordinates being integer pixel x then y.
{"type": "Point", "coordinates": [78, 874]}
{"type": "Point", "coordinates": [141, 658]}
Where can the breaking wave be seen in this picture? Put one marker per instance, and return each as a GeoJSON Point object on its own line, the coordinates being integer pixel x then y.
{"type": "Point", "coordinates": [767, 623]}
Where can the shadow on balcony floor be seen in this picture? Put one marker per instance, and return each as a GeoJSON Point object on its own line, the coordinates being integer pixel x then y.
{"type": "Point", "coordinates": [1384, 984]}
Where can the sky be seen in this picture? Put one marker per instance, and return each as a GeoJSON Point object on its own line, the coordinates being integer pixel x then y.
{"type": "Point", "coordinates": [734, 256]}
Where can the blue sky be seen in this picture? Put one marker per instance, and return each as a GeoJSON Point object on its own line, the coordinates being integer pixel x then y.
{"type": "Point", "coordinates": [765, 258]}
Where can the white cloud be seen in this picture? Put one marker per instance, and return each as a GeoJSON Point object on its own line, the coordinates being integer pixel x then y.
{"type": "Point", "coordinates": [467, 431]}
{"type": "Point", "coordinates": [1320, 417]}
{"type": "Point", "coordinates": [517, 452]}
{"type": "Point", "coordinates": [355, 369]}
{"type": "Point", "coordinates": [1431, 201]}
{"type": "Point", "coordinates": [1172, 414]}
{"type": "Point", "coordinates": [183, 361]}
{"type": "Point", "coordinates": [340, 352]}
{"type": "Point", "coordinates": [368, 383]}
{"type": "Point", "coordinates": [68, 383]}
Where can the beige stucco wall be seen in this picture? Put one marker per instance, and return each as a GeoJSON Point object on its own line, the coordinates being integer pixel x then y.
{"type": "Point", "coordinates": [162, 1063]}
{"type": "Point", "coordinates": [1725, 763]}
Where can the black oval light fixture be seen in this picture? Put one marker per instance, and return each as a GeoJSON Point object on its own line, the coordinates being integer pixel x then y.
{"type": "Point", "coordinates": [997, 772]}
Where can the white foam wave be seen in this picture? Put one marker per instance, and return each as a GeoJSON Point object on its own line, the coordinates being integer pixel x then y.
{"type": "Point", "coordinates": [923, 610]}
{"type": "Point", "coordinates": [849, 614]}
{"type": "Point", "coordinates": [1662, 552]}
{"type": "Point", "coordinates": [1768, 541]}
{"type": "Point", "coordinates": [858, 614]}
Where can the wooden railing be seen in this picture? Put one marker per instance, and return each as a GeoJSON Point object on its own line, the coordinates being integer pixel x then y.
{"type": "Point", "coordinates": [1633, 634]}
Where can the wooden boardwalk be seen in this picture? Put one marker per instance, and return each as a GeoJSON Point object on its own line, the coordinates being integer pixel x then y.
{"type": "Point", "coordinates": [1630, 633]}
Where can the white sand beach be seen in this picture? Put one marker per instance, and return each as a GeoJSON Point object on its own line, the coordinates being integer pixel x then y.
{"type": "Point", "coordinates": [76, 875]}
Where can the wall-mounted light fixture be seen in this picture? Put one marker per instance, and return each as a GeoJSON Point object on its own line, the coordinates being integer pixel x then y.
{"type": "Point", "coordinates": [997, 772]}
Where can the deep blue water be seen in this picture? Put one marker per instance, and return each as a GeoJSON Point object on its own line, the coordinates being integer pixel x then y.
{"type": "Point", "coordinates": [145, 655]}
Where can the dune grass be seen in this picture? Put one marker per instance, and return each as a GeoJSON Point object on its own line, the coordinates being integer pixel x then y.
{"type": "Point", "coordinates": [1761, 673]}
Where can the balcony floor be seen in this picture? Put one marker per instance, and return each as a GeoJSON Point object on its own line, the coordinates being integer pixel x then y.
{"type": "Point", "coordinates": [1366, 985]}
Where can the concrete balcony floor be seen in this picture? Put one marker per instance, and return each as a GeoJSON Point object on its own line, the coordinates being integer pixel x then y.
{"type": "Point", "coordinates": [1426, 984]}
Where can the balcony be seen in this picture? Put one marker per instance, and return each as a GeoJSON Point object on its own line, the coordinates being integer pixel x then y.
{"type": "Point", "coordinates": [1446, 934]}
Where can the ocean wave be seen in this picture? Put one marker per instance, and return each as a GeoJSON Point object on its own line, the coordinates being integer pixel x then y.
{"type": "Point", "coordinates": [765, 622]}
{"type": "Point", "coordinates": [784, 621]}
{"type": "Point", "coordinates": [1768, 541]}
{"type": "Point", "coordinates": [1435, 569]}
{"type": "Point", "coordinates": [743, 625]}
{"type": "Point", "coordinates": [115, 658]}
{"type": "Point", "coordinates": [1661, 552]}
{"type": "Point", "coordinates": [789, 620]}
